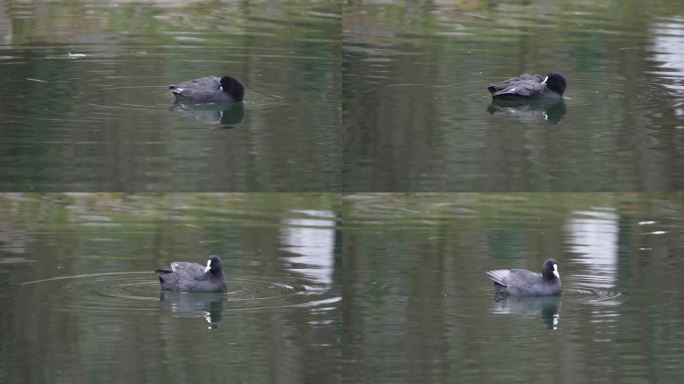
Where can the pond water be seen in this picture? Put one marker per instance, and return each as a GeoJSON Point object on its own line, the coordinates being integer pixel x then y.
{"type": "Point", "coordinates": [329, 282]}
{"type": "Point", "coordinates": [331, 288]}
{"type": "Point", "coordinates": [418, 308]}
{"type": "Point", "coordinates": [417, 115]}
{"type": "Point", "coordinates": [81, 302]}
{"type": "Point", "coordinates": [85, 104]}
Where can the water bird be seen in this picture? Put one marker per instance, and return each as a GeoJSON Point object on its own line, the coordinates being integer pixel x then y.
{"type": "Point", "coordinates": [530, 87]}
{"type": "Point", "coordinates": [193, 277]}
{"type": "Point", "coordinates": [210, 89]}
{"type": "Point", "coordinates": [522, 282]}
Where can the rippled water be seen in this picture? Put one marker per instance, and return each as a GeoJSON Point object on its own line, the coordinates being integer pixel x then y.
{"type": "Point", "coordinates": [85, 103]}
{"type": "Point", "coordinates": [418, 117]}
{"type": "Point", "coordinates": [357, 97]}
{"type": "Point", "coordinates": [130, 291]}
{"type": "Point", "coordinates": [419, 308]}
{"type": "Point", "coordinates": [330, 288]}
{"type": "Point", "coordinates": [82, 303]}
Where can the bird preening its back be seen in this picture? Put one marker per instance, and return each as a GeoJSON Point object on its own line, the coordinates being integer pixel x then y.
{"type": "Point", "coordinates": [209, 89]}
{"type": "Point", "coordinates": [192, 277]}
{"type": "Point", "coordinates": [529, 87]}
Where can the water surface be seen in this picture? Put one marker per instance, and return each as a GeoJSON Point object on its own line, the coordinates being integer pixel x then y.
{"type": "Point", "coordinates": [85, 103]}
{"type": "Point", "coordinates": [418, 307]}
{"type": "Point", "coordinates": [330, 288]}
{"type": "Point", "coordinates": [417, 115]}
{"type": "Point", "coordinates": [82, 304]}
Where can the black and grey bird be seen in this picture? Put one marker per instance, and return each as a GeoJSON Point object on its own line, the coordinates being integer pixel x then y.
{"type": "Point", "coordinates": [192, 277]}
{"type": "Point", "coordinates": [530, 87]}
{"type": "Point", "coordinates": [527, 283]}
{"type": "Point", "coordinates": [210, 89]}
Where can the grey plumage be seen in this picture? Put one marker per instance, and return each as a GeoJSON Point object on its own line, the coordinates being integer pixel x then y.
{"type": "Point", "coordinates": [192, 277]}
{"type": "Point", "coordinates": [500, 86]}
{"type": "Point", "coordinates": [529, 87]}
{"type": "Point", "coordinates": [208, 89]}
{"type": "Point", "coordinates": [527, 283]}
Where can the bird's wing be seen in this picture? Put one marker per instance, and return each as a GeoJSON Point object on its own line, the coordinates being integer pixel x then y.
{"type": "Point", "coordinates": [509, 82]}
{"type": "Point", "coordinates": [526, 88]}
{"type": "Point", "coordinates": [186, 270]}
{"type": "Point", "coordinates": [499, 276]}
{"type": "Point", "coordinates": [197, 89]}
{"type": "Point", "coordinates": [523, 279]}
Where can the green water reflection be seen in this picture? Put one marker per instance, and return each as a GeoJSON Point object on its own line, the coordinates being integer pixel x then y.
{"type": "Point", "coordinates": [85, 104]}
{"type": "Point", "coordinates": [415, 107]}
{"type": "Point", "coordinates": [81, 302]}
{"type": "Point", "coordinates": [418, 307]}
{"type": "Point", "coordinates": [330, 288]}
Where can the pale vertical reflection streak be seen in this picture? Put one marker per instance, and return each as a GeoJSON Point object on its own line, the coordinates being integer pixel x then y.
{"type": "Point", "coordinates": [668, 47]}
{"type": "Point", "coordinates": [593, 237]}
{"type": "Point", "coordinates": [310, 241]}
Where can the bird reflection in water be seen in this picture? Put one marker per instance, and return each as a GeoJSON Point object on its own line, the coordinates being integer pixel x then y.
{"type": "Point", "coordinates": [552, 111]}
{"type": "Point", "coordinates": [546, 306]}
{"type": "Point", "coordinates": [196, 304]}
{"type": "Point", "coordinates": [226, 114]}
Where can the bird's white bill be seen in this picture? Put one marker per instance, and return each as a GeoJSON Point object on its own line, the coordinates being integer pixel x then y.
{"type": "Point", "coordinates": [221, 88]}
{"type": "Point", "coordinates": [555, 271]}
{"type": "Point", "coordinates": [546, 78]}
{"type": "Point", "coordinates": [209, 267]}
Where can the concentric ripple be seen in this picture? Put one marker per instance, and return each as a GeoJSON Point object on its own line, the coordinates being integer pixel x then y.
{"type": "Point", "coordinates": [138, 291]}
{"type": "Point", "coordinates": [594, 296]}
{"type": "Point", "coordinates": [127, 291]}
{"type": "Point", "coordinates": [156, 98]}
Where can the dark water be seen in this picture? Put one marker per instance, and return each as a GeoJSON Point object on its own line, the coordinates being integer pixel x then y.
{"type": "Point", "coordinates": [417, 116]}
{"type": "Point", "coordinates": [332, 282]}
{"type": "Point", "coordinates": [80, 301]}
{"type": "Point", "coordinates": [330, 288]}
{"type": "Point", "coordinates": [418, 307]}
{"type": "Point", "coordinates": [85, 106]}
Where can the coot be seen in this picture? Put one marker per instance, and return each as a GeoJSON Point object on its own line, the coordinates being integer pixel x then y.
{"type": "Point", "coordinates": [209, 89]}
{"type": "Point", "coordinates": [193, 277]}
{"type": "Point", "coordinates": [527, 283]}
{"type": "Point", "coordinates": [530, 87]}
